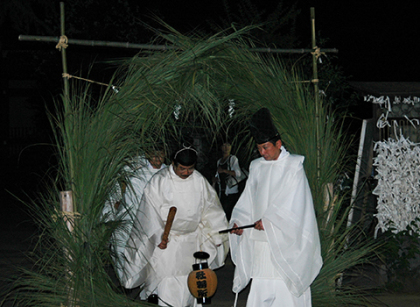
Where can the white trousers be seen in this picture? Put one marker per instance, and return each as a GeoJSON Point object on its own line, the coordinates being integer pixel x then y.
{"type": "Point", "coordinates": [173, 291]}
{"type": "Point", "coordinates": [274, 293]}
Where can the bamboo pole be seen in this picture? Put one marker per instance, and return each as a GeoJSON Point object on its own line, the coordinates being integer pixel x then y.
{"type": "Point", "coordinates": [315, 81]}
{"type": "Point", "coordinates": [93, 43]}
{"type": "Point", "coordinates": [66, 100]}
{"type": "Point", "coordinates": [63, 51]}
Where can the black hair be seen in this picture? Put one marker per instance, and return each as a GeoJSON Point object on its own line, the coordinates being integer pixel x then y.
{"type": "Point", "coordinates": [186, 156]}
{"type": "Point", "coordinates": [274, 139]}
{"type": "Point", "coordinates": [156, 147]}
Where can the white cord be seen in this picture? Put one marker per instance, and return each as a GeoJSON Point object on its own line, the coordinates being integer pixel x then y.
{"type": "Point", "coordinates": [236, 299]}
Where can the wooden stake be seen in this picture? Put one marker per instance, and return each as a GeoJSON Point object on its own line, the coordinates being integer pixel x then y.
{"type": "Point", "coordinates": [66, 202]}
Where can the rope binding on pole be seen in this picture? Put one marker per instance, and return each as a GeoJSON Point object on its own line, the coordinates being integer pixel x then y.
{"type": "Point", "coordinates": [62, 43]}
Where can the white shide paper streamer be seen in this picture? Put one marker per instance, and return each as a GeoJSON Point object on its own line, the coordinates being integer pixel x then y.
{"type": "Point", "coordinates": [398, 173]}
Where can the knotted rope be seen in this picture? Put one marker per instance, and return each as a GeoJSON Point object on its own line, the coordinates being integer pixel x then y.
{"type": "Point", "coordinates": [62, 43]}
{"type": "Point", "coordinates": [67, 215]}
{"type": "Point", "coordinates": [317, 53]}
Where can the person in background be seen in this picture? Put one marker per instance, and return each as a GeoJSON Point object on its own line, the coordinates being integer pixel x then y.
{"type": "Point", "coordinates": [228, 170]}
{"type": "Point", "coordinates": [281, 253]}
{"type": "Point", "coordinates": [161, 267]}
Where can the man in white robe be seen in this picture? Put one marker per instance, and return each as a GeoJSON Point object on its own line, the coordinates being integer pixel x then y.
{"type": "Point", "coordinates": [141, 171]}
{"type": "Point", "coordinates": [162, 268]}
{"type": "Point", "coordinates": [282, 252]}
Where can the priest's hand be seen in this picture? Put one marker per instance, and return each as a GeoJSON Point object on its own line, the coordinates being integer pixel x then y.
{"type": "Point", "coordinates": [259, 225]}
{"type": "Point", "coordinates": [163, 244]}
{"type": "Point", "coordinates": [237, 231]}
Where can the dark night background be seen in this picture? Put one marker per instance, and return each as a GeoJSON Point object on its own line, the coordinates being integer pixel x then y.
{"type": "Point", "coordinates": [376, 40]}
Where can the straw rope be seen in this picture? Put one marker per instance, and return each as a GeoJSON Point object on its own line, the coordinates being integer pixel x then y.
{"type": "Point", "coordinates": [62, 43]}
{"type": "Point", "coordinates": [65, 214]}
{"type": "Point", "coordinates": [68, 76]}
{"type": "Point", "coordinates": [70, 214]}
{"type": "Point", "coordinates": [317, 52]}
{"type": "Point", "coordinates": [306, 81]}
